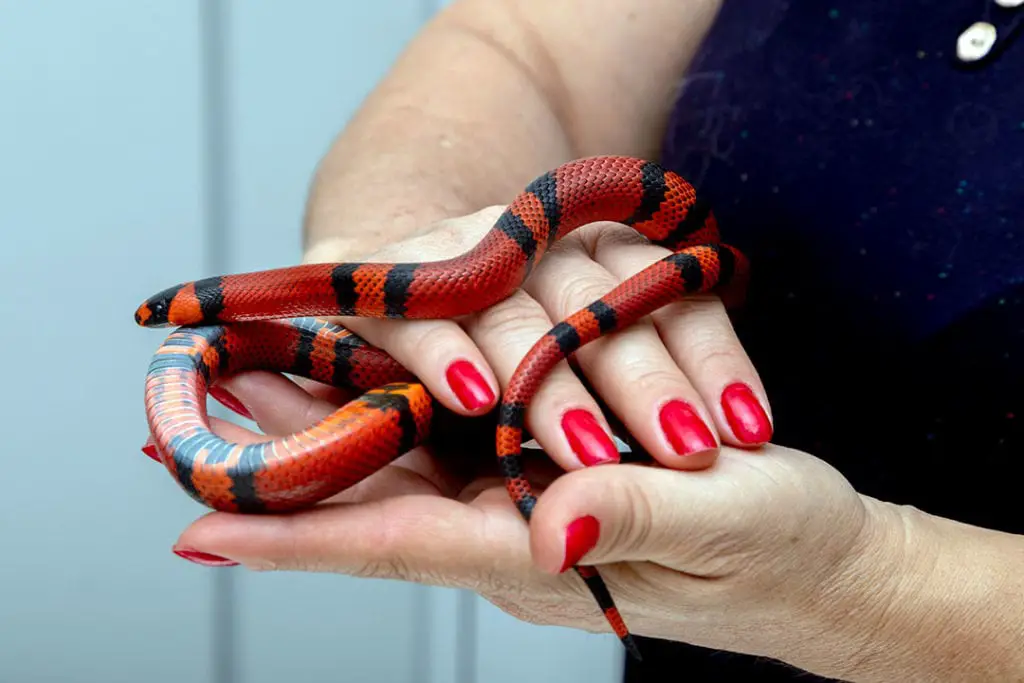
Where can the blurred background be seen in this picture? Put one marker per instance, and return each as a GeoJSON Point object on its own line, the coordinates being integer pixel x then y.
{"type": "Point", "coordinates": [141, 142]}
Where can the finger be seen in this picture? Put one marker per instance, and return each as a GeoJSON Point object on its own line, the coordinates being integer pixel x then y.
{"type": "Point", "coordinates": [636, 513]}
{"type": "Point", "coordinates": [438, 352]}
{"type": "Point", "coordinates": [226, 390]}
{"type": "Point", "coordinates": [630, 369]}
{"type": "Point", "coordinates": [277, 404]}
{"type": "Point", "coordinates": [441, 355]}
{"type": "Point", "coordinates": [699, 336]}
{"type": "Point", "coordinates": [426, 539]}
{"type": "Point", "coordinates": [562, 416]}
{"type": "Point", "coordinates": [325, 392]}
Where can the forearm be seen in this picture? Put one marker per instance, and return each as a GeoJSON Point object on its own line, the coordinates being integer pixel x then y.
{"type": "Point", "coordinates": [935, 601]}
{"type": "Point", "coordinates": [491, 94]}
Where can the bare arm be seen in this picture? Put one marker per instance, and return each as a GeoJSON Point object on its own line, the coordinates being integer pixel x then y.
{"type": "Point", "coordinates": [491, 94]}
{"type": "Point", "coordinates": [926, 599]}
{"type": "Point", "coordinates": [494, 92]}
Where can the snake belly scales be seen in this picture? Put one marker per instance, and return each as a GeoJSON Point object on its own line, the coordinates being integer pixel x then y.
{"type": "Point", "coordinates": [271, 320]}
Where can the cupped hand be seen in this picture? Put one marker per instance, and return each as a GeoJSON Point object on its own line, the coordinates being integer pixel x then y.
{"type": "Point", "coordinates": [741, 556]}
{"type": "Point", "coordinates": [679, 381]}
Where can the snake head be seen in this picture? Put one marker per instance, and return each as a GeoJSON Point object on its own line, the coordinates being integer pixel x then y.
{"type": "Point", "coordinates": [156, 310]}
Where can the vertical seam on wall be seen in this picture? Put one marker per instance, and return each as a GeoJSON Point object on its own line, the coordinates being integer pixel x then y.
{"type": "Point", "coordinates": [213, 36]}
{"type": "Point", "coordinates": [467, 634]}
{"type": "Point", "coordinates": [421, 645]}
{"type": "Point", "coordinates": [467, 631]}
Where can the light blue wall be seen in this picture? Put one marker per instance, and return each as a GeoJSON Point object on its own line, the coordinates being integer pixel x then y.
{"type": "Point", "coordinates": [123, 123]}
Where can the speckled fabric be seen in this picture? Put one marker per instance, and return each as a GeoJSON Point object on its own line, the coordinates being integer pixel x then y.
{"type": "Point", "coordinates": [878, 186]}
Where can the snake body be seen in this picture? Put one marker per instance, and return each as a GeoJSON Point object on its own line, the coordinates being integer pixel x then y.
{"type": "Point", "coordinates": [271, 320]}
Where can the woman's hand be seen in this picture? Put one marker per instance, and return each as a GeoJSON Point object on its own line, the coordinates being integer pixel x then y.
{"type": "Point", "coordinates": [743, 556]}
{"type": "Point", "coordinates": [680, 382]}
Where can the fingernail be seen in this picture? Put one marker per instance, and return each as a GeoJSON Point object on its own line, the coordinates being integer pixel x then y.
{"type": "Point", "coordinates": [580, 538]}
{"type": "Point", "coordinates": [469, 385]}
{"type": "Point", "coordinates": [205, 559]}
{"type": "Point", "coordinates": [685, 430]}
{"type": "Point", "coordinates": [588, 441]}
{"type": "Point", "coordinates": [149, 448]}
{"type": "Point", "coordinates": [748, 419]}
{"type": "Point", "coordinates": [229, 401]}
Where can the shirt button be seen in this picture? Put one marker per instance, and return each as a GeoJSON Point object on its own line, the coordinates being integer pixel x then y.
{"type": "Point", "coordinates": [978, 39]}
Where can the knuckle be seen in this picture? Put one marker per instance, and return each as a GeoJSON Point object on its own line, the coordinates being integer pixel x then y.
{"type": "Point", "coordinates": [580, 289]}
{"type": "Point", "coordinates": [570, 246]}
{"type": "Point", "coordinates": [602, 235]}
{"type": "Point", "coordinates": [383, 555]}
{"type": "Point", "coordinates": [647, 378]}
{"type": "Point", "coordinates": [421, 339]}
{"type": "Point", "coordinates": [632, 530]}
{"type": "Point", "coordinates": [451, 237]}
{"type": "Point", "coordinates": [468, 229]}
{"type": "Point", "coordinates": [700, 331]}
{"type": "Point", "coordinates": [442, 239]}
{"type": "Point", "coordinates": [616, 236]}
{"type": "Point", "coordinates": [648, 585]}
{"type": "Point", "coordinates": [640, 525]}
{"type": "Point", "coordinates": [710, 350]}
{"type": "Point", "coordinates": [506, 319]}
{"type": "Point", "coordinates": [703, 310]}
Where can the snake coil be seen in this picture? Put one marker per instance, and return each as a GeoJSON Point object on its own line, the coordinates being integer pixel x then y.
{"type": "Point", "coordinates": [232, 323]}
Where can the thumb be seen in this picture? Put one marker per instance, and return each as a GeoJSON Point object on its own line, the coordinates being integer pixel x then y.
{"type": "Point", "coordinates": [420, 538]}
{"type": "Point", "coordinates": [625, 513]}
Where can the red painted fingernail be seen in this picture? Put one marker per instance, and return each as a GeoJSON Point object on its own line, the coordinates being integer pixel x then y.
{"type": "Point", "coordinates": [685, 429]}
{"type": "Point", "coordinates": [205, 559]}
{"type": "Point", "coordinates": [229, 401]}
{"type": "Point", "coordinates": [580, 538]}
{"type": "Point", "coordinates": [149, 448]}
{"type": "Point", "coordinates": [469, 385]}
{"type": "Point", "coordinates": [588, 441]}
{"type": "Point", "coordinates": [748, 419]}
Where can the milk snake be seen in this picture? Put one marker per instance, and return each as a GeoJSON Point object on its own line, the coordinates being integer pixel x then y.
{"type": "Point", "coordinates": [232, 323]}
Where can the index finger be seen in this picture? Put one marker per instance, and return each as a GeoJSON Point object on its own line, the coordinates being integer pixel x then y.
{"type": "Point", "coordinates": [390, 538]}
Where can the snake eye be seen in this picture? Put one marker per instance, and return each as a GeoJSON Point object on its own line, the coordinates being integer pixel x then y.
{"type": "Point", "coordinates": [156, 309]}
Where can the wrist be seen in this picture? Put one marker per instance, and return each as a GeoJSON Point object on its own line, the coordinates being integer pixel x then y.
{"type": "Point", "coordinates": [923, 598]}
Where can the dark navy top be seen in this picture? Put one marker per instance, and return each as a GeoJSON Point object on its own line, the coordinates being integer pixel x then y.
{"type": "Point", "coordinates": [877, 184]}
